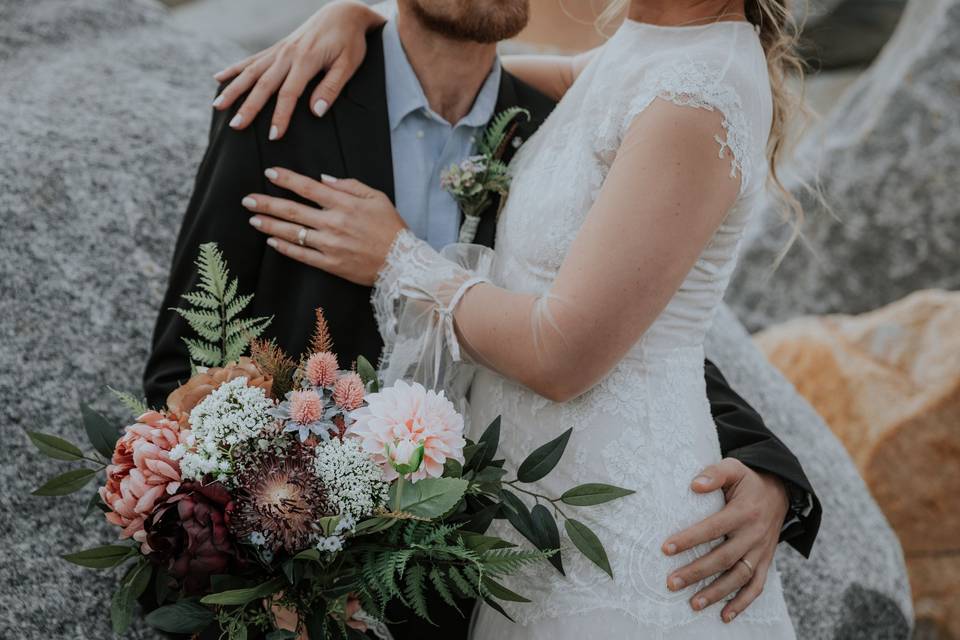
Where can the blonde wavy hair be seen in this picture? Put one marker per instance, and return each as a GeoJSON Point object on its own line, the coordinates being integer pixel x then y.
{"type": "Point", "coordinates": [779, 33]}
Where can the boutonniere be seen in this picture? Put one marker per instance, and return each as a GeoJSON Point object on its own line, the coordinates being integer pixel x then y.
{"type": "Point", "coordinates": [474, 182]}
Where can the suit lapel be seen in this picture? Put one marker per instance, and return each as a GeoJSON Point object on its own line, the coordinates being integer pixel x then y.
{"type": "Point", "coordinates": [361, 115]}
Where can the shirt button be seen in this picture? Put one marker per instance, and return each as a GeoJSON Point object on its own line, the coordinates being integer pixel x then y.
{"type": "Point", "coordinates": [420, 134]}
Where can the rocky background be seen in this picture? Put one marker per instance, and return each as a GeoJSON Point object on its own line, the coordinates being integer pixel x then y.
{"type": "Point", "coordinates": [106, 104]}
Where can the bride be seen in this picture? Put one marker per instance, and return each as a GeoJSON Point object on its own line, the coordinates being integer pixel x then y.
{"type": "Point", "coordinates": [613, 251]}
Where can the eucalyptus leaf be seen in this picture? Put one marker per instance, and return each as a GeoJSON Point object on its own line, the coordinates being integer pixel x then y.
{"type": "Point", "coordinates": [104, 557]}
{"type": "Point", "coordinates": [102, 435]}
{"type": "Point", "coordinates": [587, 495]}
{"type": "Point", "coordinates": [584, 539]}
{"type": "Point", "coordinates": [95, 503]}
{"type": "Point", "coordinates": [500, 592]}
{"type": "Point", "coordinates": [487, 446]}
{"type": "Point", "coordinates": [368, 373]}
{"type": "Point", "coordinates": [54, 447]}
{"type": "Point", "coordinates": [542, 461]}
{"type": "Point", "coordinates": [185, 616]}
{"type": "Point", "coordinates": [66, 483]}
{"type": "Point", "coordinates": [518, 515]}
{"type": "Point", "coordinates": [243, 596]}
{"type": "Point", "coordinates": [121, 609]}
{"type": "Point", "coordinates": [374, 525]}
{"type": "Point", "coordinates": [481, 543]}
{"type": "Point", "coordinates": [548, 535]}
{"type": "Point", "coordinates": [429, 498]}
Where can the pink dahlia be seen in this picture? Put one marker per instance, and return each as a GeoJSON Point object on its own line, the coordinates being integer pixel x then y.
{"type": "Point", "coordinates": [348, 392]}
{"type": "Point", "coordinates": [398, 420]}
{"type": "Point", "coordinates": [141, 473]}
{"type": "Point", "coordinates": [321, 369]}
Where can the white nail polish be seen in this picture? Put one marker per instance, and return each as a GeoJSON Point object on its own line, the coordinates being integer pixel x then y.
{"type": "Point", "coordinates": [256, 222]}
{"type": "Point", "coordinates": [237, 121]}
{"type": "Point", "coordinates": [249, 202]}
{"type": "Point", "coordinates": [274, 132]}
{"type": "Point", "coordinates": [325, 178]}
{"type": "Point", "coordinates": [218, 101]}
{"type": "Point", "coordinates": [272, 242]}
{"type": "Point", "coordinates": [272, 174]}
{"type": "Point", "coordinates": [320, 107]}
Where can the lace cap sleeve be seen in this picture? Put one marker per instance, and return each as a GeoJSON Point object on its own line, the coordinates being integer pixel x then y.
{"type": "Point", "coordinates": [699, 84]}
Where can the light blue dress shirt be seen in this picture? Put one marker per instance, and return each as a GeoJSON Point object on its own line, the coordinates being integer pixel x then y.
{"type": "Point", "coordinates": [424, 144]}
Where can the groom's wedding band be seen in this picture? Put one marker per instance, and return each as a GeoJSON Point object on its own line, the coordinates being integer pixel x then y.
{"type": "Point", "coordinates": [302, 237]}
{"type": "Point", "coordinates": [747, 563]}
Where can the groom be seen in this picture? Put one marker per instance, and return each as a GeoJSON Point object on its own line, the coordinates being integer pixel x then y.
{"type": "Point", "coordinates": [433, 65]}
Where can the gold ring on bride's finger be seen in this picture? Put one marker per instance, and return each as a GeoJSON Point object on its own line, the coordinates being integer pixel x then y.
{"type": "Point", "coordinates": [302, 237]}
{"type": "Point", "coordinates": [747, 564]}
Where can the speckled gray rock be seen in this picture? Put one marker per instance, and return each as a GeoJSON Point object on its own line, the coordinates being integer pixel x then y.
{"type": "Point", "coordinates": [889, 159]}
{"type": "Point", "coordinates": [854, 586]}
{"type": "Point", "coordinates": [105, 111]}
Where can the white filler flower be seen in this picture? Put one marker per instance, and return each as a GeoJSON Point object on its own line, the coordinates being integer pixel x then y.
{"type": "Point", "coordinates": [354, 483]}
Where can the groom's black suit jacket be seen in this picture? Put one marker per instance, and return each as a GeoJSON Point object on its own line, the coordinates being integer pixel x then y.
{"type": "Point", "coordinates": [353, 140]}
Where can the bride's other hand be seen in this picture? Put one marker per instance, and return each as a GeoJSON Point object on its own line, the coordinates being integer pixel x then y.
{"type": "Point", "coordinates": [348, 234]}
{"type": "Point", "coordinates": [333, 38]}
{"type": "Point", "coordinates": [751, 521]}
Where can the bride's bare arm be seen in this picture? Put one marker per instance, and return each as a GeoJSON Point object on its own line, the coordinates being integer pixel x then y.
{"type": "Point", "coordinates": [332, 39]}
{"type": "Point", "coordinates": [550, 75]}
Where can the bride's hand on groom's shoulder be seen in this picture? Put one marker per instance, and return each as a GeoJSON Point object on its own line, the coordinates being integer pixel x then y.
{"type": "Point", "coordinates": [349, 233]}
{"type": "Point", "coordinates": [332, 40]}
{"type": "Point", "coordinates": [749, 526]}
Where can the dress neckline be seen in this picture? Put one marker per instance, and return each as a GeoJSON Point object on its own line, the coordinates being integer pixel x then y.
{"type": "Point", "coordinates": [685, 27]}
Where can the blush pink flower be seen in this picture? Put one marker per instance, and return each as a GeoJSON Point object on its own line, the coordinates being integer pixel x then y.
{"type": "Point", "coordinates": [306, 407]}
{"type": "Point", "coordinates": [398, 420]}
{"type": "Point", "coordinates": [321, 369]}
{"type": "Point", "coordinates": [348, 392]}
{"type": "Point", "coordinates": [141, 473]}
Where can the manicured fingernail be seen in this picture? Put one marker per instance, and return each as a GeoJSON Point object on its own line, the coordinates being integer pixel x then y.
{"type": "Point", "coordinates": [274, 132]}
{"type": "Point", "coordinates": [675, 583]}
{"type": "Point", "coordinates": [272, 242]}
{"type": "Point", "coordinates": [699, 603]}
{"type": "Point", "coordinates": [256, 222]}
{"type": "Point", "coordinates": [237, 121]}
{"type": "Point", "coordinates": [731, 616]}
{"type": "Point", "coordinates": [320, 107]}
{"type": "Point", "coordinates": [702, 481]}
{"type": "Point", "coordinates": [219, 74]}
{"type": "Point", "coordinates": [249, 202]}
{"type": "Point", "coordinates": [218, 101]}
{"type": "Point", "coordinates": [670, 549]}
{"type": "Point", "coordinates": [325, 178]}
{"type": "Point", "coordinates": [272, 174]}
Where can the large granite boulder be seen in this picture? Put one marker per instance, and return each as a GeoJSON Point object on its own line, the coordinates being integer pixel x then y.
{"type": "Point", "coordinates": [854, 586]}
{"type": "Point", "coordinates": [888, 156]}
{"type": "Point", "coordinates": [105, 111]}
{"type": "Point", "coordinates": [888, 384]}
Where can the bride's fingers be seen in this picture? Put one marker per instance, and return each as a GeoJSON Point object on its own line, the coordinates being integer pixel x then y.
{"type": "Point", "coordinates": [332, 84]}
{"type": "Point", "coordinates": [748, 593]}
{"type": "Point", "coordinates": [314, 191]}
{"type": "Point", "coordinates": [237, 67]}
{"type": "Point", "coordinates": [240, 85]}
{"type": "Point", "coordinates": [730, 581]}
{"type": "Point", "coordinates": [720, 559]}
{"type": "Point", "coordinates": [266, 85]}
{"type": "Point", "coordinates": [290, 92]}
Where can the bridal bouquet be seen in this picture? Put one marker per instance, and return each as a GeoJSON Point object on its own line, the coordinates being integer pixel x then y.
{"type": "Point", "coordinates": [292, 498]}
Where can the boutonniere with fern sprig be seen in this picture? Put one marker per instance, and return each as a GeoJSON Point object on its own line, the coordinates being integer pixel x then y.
{"type": "Point", "coordinates": [474, 182]}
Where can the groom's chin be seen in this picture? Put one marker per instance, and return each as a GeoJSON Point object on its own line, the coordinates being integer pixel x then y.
{"type": "Point", "coordinates": [487, 22]}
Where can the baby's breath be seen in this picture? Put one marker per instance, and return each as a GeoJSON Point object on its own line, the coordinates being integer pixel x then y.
{"type": "Point", "coordinates": [354, 483]}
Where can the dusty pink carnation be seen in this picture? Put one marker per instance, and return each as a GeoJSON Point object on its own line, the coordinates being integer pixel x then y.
{"type": "Point", "coordinates": [321, 369]}
{"type": "Point", "coordinates": [402, 417]}
{"type": "Point", "coordinates": [141, 473]}
{"type": "Point", "coordinates": [306, 407]}
{"type": "Point", "coordinates": [348, 392]}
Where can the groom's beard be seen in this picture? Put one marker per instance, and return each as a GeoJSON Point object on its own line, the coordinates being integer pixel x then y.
{"type": "Point", "coordinates": [483, 21]}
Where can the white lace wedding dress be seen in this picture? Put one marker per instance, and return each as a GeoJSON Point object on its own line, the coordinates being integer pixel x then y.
{"type": "Point", "coordinates": [646, 425]}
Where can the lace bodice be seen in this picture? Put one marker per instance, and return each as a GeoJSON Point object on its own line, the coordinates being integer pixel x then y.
{"type": "Point", "coordinates": [645, 423]}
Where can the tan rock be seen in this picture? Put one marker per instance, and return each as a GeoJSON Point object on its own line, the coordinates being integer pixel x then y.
{"type": "Point", "coordinates": [888, 384]}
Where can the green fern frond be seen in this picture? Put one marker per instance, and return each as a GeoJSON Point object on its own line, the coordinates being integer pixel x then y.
{"type": "Point", "coordinates": [204, 353]}
{"type": "Point", "coordinates": [212, 270]}
{"type": "Point", "coordinates": [436, 578]}
{"type": "Point", "coordinates": [237, 305]}
{"type": "Point", "coordinates": [201, 300]}
{"type": "Point", "coordinates": [136, 406]}
{"type": "Point", "coordinates": [415, 591]}
{"type": "Point", "coordinates": [493, 135]}
{"type": "Point", "coordinates": [231, 292]}
{"type": "Point", "coordinates": [460, 581]}
{"type": "Point", "coordinates": [499, 562]}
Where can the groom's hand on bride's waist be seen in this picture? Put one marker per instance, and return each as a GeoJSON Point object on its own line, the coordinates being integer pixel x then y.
{"type": "Point", "coordinates": [749, 526]}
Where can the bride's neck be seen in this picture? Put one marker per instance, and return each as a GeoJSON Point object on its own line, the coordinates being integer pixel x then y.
{"type": "Point", "coordinates": [450, 71]}
{"type": "Point", "coordinates": [671, 13]}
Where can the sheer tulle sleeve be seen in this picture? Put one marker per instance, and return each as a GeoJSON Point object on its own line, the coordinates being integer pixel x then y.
{"type": "Point", "coordinates": [646, 229]}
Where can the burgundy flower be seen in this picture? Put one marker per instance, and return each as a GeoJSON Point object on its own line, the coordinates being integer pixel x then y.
{"type": "Point", "coordinates": [188, 536]}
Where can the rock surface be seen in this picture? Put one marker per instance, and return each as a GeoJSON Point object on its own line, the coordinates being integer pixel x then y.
{"type": "Point", "coordinates": [889, 162]}
{"type": "Point", "coordinates": [106, 111]}
{"type": "Point", "coordinates": [854, 585]}
{"type": "Point", "coordinates": [888, 384]}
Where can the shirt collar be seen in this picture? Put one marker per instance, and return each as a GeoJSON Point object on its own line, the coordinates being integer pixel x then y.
{"type": "Point", "coordinates": [405, 95]}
